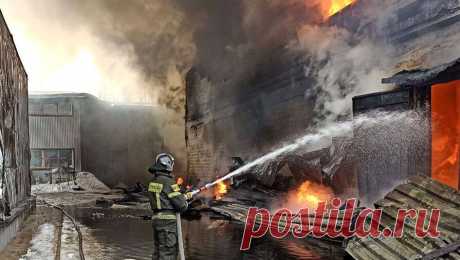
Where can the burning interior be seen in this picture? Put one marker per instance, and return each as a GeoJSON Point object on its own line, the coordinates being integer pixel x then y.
{"type": "Point", "coordinates": [445, 127]}
{"type": "Point", "coordinates": [438, 89]}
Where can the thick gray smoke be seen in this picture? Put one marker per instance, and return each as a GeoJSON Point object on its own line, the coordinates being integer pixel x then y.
{"type": "Point", "coordinates": [139, 51]}
{"type": "Point", "coordinates": [343, 67]}
{"type": "Point", "coordinates": [121, 51]}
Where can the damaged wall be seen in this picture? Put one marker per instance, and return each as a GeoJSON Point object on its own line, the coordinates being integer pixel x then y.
{"type": "Point", "coordinates": [244, 118]}
{"type": "Point", "coordinates": [423, 34]}
{"type": "Point", "coordinates": [14, 128]}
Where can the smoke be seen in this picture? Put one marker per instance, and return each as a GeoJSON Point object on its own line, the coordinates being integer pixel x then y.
{"type": "Point", "coordinates": [120, 51]}
{"type": "Point", "coordinates": [342, 66]}
{"type": "Point", "coordinates": [139, 51]}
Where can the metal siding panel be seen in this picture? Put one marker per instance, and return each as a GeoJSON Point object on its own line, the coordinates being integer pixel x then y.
{"type": "Point", "coordinates": [53, 132]}
{"type": "Point", "coordinates": [56, 132]}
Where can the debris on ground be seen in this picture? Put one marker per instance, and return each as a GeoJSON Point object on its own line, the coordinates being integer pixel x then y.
{"type": "Point", "coordinates": [87, 181]}
{"type": "Point", "coordinates": [83, 181]}
{"type": "Point", "coordinates": [419, 193]}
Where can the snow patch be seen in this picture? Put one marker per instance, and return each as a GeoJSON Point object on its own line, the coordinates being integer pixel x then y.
{"type": "Point", "coordinates": [42, 244]}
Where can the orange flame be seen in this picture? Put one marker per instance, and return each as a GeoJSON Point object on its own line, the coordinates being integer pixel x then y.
{"type": "Point", "coordinates": [445, 158]}
{"type": "Point", "coordinates": [220, 190]}
{"type": "Point", "coordinates": [337, 5]}
{"type": "Point", "coordinates": [329, 8]}
{"type": "Point", "coordinates": [310, 194]}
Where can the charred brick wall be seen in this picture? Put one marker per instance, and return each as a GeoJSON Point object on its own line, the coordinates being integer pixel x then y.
{"type": "Point", "coordinates": [244, 118]}
{"type": "Point", "coordinates": [14, 127]}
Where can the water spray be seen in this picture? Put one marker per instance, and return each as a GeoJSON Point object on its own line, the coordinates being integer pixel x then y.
{"type": "Point", "coordinates": [335, 129]}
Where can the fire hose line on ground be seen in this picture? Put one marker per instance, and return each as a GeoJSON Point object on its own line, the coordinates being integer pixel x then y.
{"type": "Point", "coordinates": [77, 228]}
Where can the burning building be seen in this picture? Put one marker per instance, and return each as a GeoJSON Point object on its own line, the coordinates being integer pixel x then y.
{"type": "Point", "coordinates": [427, 85]}
{"type": "Point", "coordinates": [230, 116]}
{"type": "Point", "coordinates": [15, 203]}
{"type": "Point", "coordinates": [82, 133]}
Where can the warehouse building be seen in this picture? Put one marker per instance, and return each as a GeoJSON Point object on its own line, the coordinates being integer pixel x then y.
{"type": "Point", "coordinates": [79, 132]}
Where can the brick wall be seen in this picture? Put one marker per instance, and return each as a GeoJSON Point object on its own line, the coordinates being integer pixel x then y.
{"type": "Point", "coordinates": [244, 118]}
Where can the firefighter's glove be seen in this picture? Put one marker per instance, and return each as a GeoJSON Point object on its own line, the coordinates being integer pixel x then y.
{"type": "Point", "coordinates": [189, 195]}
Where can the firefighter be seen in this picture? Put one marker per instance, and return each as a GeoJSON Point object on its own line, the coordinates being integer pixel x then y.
{"type": "Point", "coordinates": [165, 200]}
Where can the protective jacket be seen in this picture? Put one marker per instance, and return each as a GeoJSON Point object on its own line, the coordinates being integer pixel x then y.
{"type": "Point", "coordinates": [165, 195]}
{"type": "Point", "coordinates": [166, 200]}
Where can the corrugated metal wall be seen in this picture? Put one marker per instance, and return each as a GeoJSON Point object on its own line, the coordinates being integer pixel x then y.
{"type": "Point", "coordinates": [57, 132]}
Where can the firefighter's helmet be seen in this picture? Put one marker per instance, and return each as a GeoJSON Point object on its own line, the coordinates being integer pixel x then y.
{"type": "Point", "coordinates": [164, 162]}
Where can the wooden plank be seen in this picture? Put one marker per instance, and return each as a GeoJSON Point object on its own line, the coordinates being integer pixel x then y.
{"type": "Point", "coordinates": [411, 224]}
{"type": "Point", "coordinates": [400, 248]}
{"type": "Point", "coordinates": [443, 252]}
{"type": "Point", "coordinates": [356, 249]}
{"type": "Point", "coordinates": [409, 236]}
{"type": "Point", "coordinates": [440, 190]}
{"type": "Point", "coordinates": [420, 193]}
{"type": "Point", "coordinates": [427, 200]}
{"type": "Point", "coordinates": [377, 250]}
{"type": "Point", "coordinates": [447, 222]}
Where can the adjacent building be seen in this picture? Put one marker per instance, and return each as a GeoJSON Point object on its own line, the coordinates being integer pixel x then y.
{"type": "Point", "coordinates": [82, 133]}
{"type": "Point", "coordinates": [15, 203]}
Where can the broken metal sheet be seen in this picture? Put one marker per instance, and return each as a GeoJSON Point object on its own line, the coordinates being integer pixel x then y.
{"type": "Point", "coordinates": [419, 193]}
{"type": "Point", "coordinates": [339, 151]}
{"type": "Point", "coordinates": [424, 77]}
{"type": "Point", "coordinates": [302, 164]}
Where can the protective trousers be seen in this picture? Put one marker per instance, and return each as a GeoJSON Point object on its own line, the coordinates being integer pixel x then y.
{"type": "Point", "coordinates": [165, 239]}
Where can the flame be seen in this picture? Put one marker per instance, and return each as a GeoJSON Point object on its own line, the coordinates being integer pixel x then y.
{"type": "Point", "coordinates": [329, 8]}
{"type": "Point", "coordinates": [337, 5]}
{"type": "Point", "coordinates": [310, 194]}
{"type": "Point", "coordinates": [445, 102]}
{"type": "Point", "coordinates": [220, 190]}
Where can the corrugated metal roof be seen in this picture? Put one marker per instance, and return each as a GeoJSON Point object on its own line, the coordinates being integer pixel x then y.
{"type": "Point", "coordinates": [420, 192]}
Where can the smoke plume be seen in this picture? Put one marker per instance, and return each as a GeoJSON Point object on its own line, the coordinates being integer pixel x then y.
{"type": "Point", "coordinates": [139, 51]}
{"type": "Point", "coordinates": [342, 66]}
{"type": "Point", "coordinates": [120, 51]}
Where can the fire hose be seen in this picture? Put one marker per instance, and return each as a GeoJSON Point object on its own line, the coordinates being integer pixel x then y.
{"type": "Point", "coordinates": [77, 228]}
{"type": "Point", "coordinates": [179, 237]}
{"type": "Point", "coordinates": [205, 187]}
